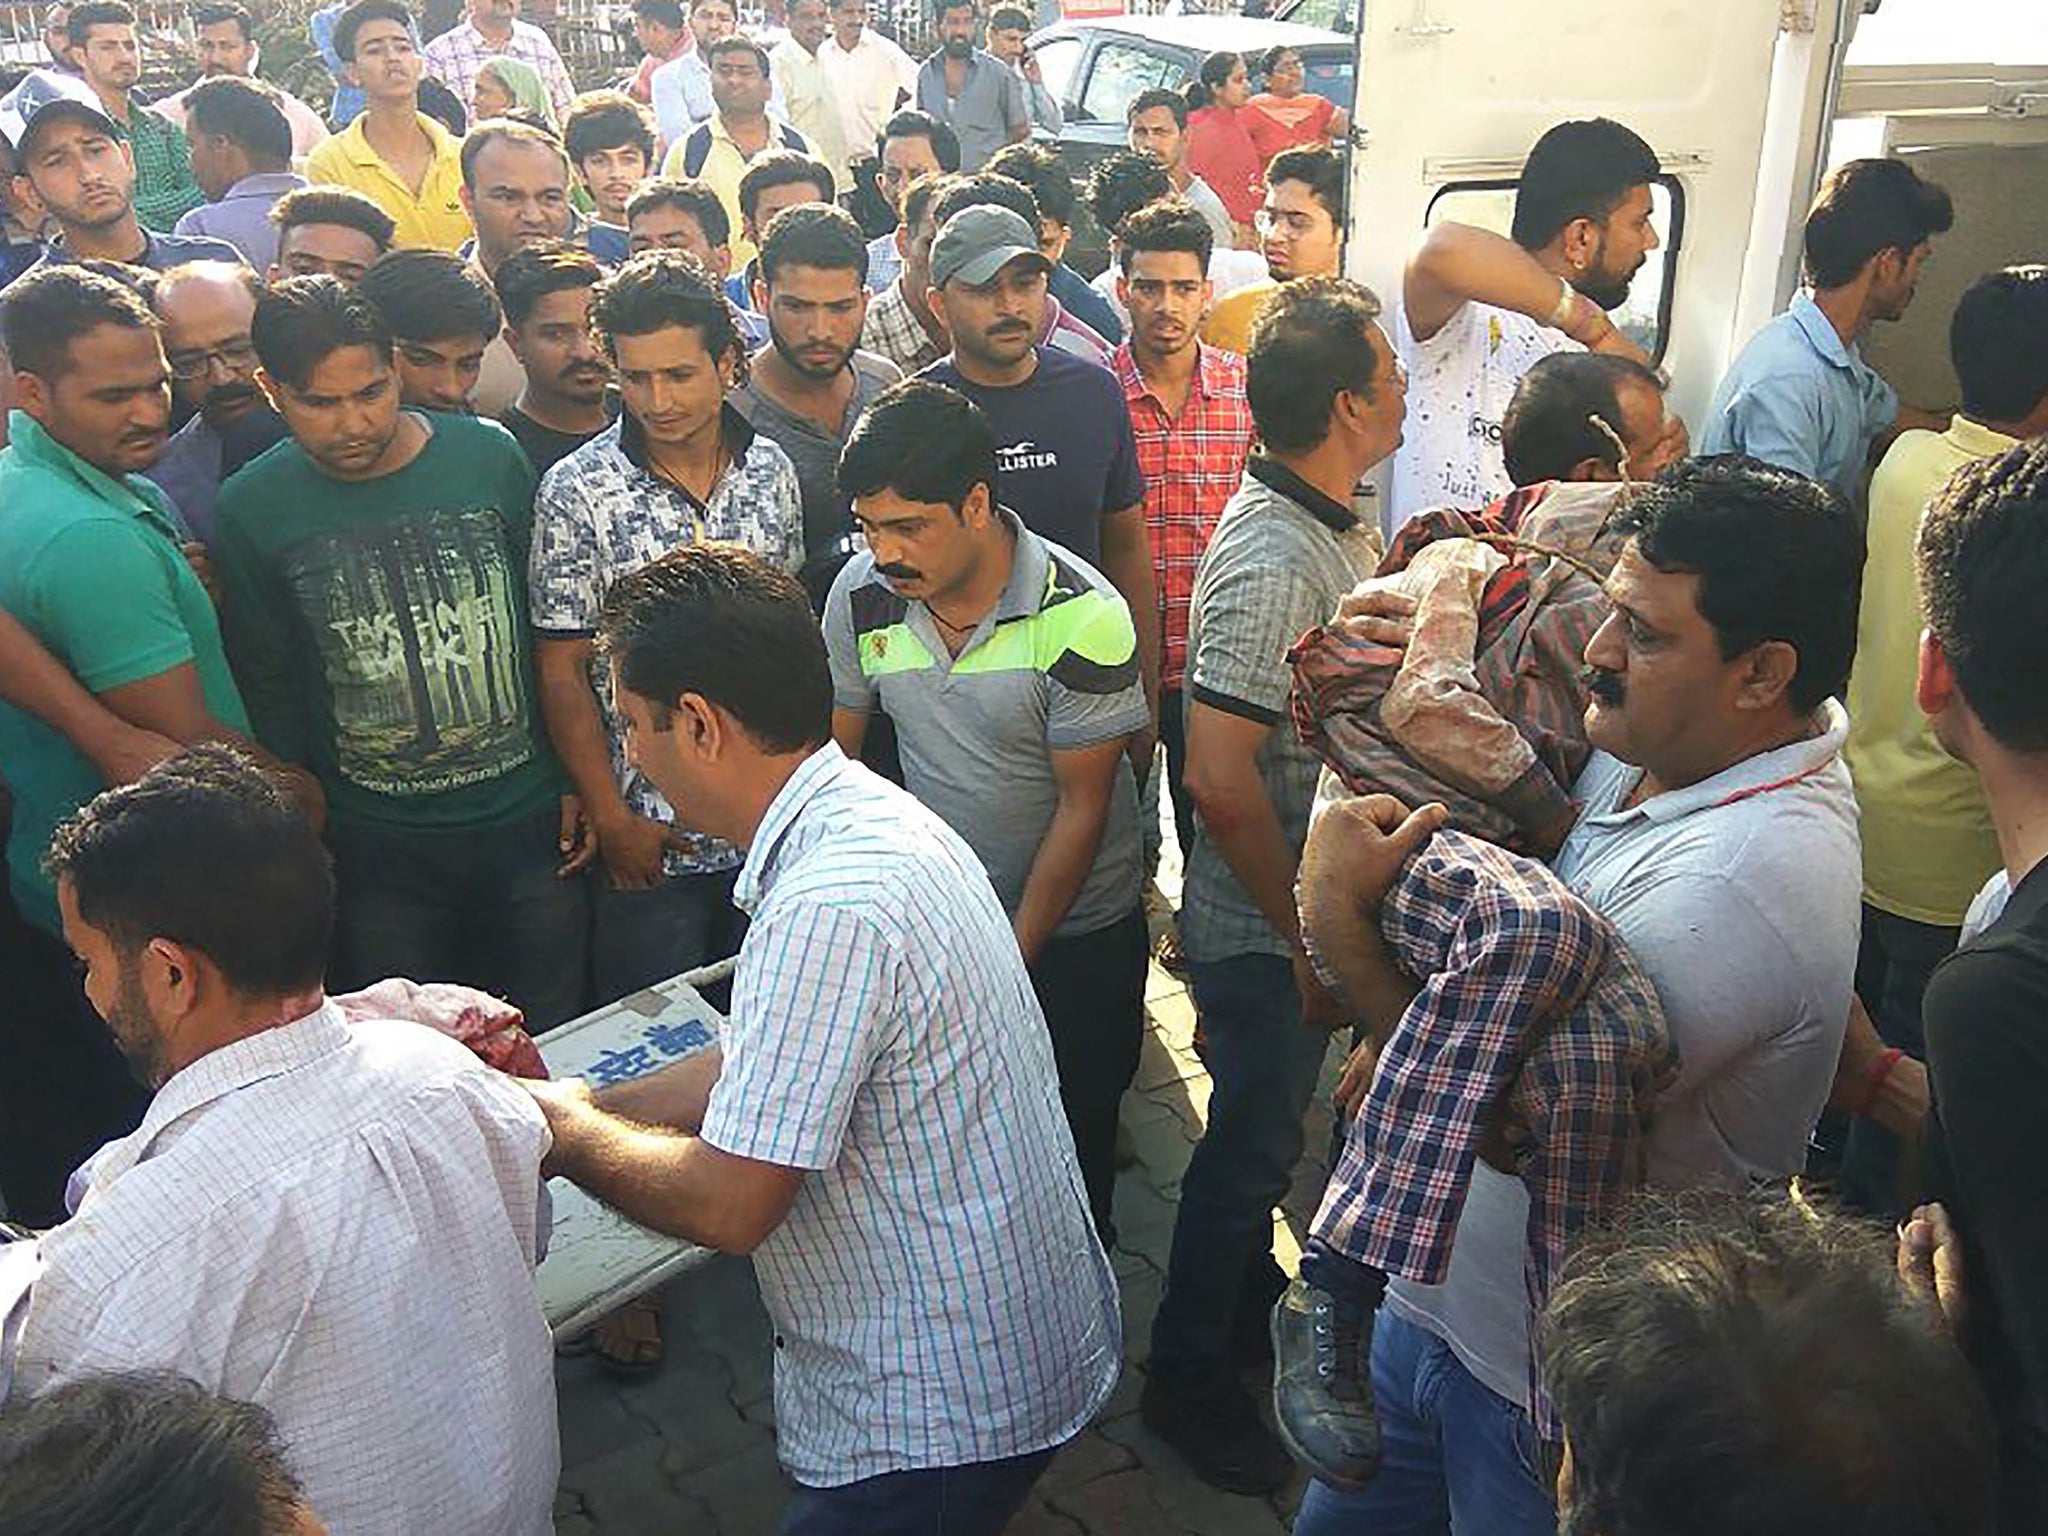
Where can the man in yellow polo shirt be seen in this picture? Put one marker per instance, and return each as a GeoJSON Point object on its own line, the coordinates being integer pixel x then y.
{"type": "Point", "coordinates": [394, 154]}
{"type": "Point", "coordinates": [1301, 231]}
{"type": "Point", "coordinates": [1927, 839]}
{"type": "Point", "coordinates": [742, 129]}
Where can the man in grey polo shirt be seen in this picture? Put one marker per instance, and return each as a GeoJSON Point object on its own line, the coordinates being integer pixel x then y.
{"type": "Point", "coordinates": [1328, 398]}
{"type": "Point", "coordinates": [970, 90]}
{"type": "Point", "coordinates": [1718, 834]}
{"type": "Point", "coordinates": [1010, 669]}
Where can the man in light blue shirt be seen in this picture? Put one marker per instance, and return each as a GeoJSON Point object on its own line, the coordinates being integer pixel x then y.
{"type": "Point", "coordinates": [1800, 395]}
{"type": "Point", "coordinates": [242, 159]}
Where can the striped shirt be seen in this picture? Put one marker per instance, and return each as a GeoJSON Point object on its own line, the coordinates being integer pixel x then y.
{"type": "Point", "coordinates": [937, 1291]}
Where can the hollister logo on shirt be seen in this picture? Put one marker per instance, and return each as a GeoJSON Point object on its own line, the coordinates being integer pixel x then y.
{"type": "Point", "coordinates": [1013, 457]}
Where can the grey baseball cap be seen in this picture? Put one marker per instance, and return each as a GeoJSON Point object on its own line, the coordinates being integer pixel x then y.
{"type": "Point", "coordinates": [977, 243]}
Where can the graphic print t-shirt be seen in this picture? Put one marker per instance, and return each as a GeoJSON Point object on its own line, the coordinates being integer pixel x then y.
{"type": "Point", "coordinates": [379, 628]}
{"type": "Point", "coordinates": [1065, 453]}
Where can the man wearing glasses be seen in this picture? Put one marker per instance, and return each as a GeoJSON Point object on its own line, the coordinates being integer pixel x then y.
{"type": "Point", "coordinates": [205, 308]}
{"type": "Point", "coordinates": [1301, 230]}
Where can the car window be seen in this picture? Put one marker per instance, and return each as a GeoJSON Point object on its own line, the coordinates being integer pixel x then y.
{"type": "Point", "coordinates": [1119, 73]}
{"type": "Point", "coordinates": [1645, 317]}
{"type": "Point", "coordinates": [1329, 75]}
{"type": "Point", "coordinates": [1057, 57]}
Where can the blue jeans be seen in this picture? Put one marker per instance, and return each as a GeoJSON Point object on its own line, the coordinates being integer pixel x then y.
{"type": "Point", "coordinates": [1263, 1064]}
{"type": "Point", "coordinates": [1456, 1459]}
{"type": "Point", "coordinates": [638, 938]}
{"type": "Point", "coordinates": [974, 1500]}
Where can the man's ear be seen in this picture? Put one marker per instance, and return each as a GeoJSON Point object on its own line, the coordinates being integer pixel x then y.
{"type": "Point", "coordinates": [512, 340]}
{"type": "Point", "coordinates": [269, 387]}
{"type": "Point", "coordinates": [1934, 687]}
{"type": "Point", "coordinates": [1581, 243]}
{"type": "Point", "coordinates": [1767, 674]}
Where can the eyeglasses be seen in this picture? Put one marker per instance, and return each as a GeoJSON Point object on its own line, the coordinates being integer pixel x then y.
{"type": "Point", "coordinates": [233, 356]}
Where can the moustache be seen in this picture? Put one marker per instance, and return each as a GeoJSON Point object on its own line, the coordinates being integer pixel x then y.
{"type": "Point", "coordinates": [1010, 328]}
{"type": "Point", "coordinates": [1604, 685]}
{"type": "Point", "coordinates": [898, 573]}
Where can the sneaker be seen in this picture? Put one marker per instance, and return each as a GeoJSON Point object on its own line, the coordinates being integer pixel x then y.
{"type": "Point", "coordinates": [1322, 1385]}
{"type": "Point", "coordinates": [1218, 1433]}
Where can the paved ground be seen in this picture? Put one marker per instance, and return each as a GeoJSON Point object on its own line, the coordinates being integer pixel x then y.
{"type": "Point", "coordinates": [691, 1452]}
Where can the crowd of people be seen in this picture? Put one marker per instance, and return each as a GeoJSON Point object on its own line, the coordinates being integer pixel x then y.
{"type": "Point", "coordinates": [550, 554]}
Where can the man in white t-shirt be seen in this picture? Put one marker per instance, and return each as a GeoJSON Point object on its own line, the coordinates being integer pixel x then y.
{"type": "Point", "coordinates": [1718, 834]}
{"type": "Point", "coordinates": [1476, 309]}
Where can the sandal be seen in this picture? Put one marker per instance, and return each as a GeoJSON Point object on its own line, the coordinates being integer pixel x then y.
{"type": "Point", "coordinates": [628, 1341]}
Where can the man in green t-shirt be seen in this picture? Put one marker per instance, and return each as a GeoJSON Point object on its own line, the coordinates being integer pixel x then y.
{"type": "Point", "coordinates": [90, 566]}
{"type": "Point", "coordinates": [374, 573]}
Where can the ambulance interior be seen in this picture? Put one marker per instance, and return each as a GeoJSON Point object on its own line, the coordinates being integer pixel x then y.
{"type": "Point", "coordinates": [1747, 102]}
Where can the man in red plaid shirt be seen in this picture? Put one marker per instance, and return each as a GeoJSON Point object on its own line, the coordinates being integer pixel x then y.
{"type": "Point", "coordinates": [1194, 431]}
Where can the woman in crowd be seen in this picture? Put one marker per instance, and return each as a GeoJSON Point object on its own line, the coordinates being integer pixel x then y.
{"type": "Point", "coordinates": [1220, 147]}
{"type": "Point", "coordinates": [1286, 114]}
{"type": "Point", "coordinates": [507, 85]}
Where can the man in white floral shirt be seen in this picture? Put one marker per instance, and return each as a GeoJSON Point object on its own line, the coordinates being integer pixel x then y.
{"type": "Point", "coordinates": [679, 466]}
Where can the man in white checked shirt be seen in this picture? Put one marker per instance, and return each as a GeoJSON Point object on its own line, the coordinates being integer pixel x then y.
{"type": "Point", "coordinates": [336, 1220]}
{"type": "Point", "coordinates": [882, 1131]}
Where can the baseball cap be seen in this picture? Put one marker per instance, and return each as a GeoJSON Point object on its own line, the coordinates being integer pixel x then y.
{"type": "Point", "coordinates": [977, 243]}
{"type": "Point", "coordinates": [44, 97]}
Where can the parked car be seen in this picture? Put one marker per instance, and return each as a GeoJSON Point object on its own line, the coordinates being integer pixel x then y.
{"type": "Point", "coordinates": [1096, 68]}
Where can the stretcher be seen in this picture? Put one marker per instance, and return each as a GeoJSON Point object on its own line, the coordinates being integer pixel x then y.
{"type": "Point", "coordinates": [597, 1259]}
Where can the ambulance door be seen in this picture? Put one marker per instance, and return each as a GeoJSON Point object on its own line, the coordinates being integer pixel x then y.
{"type": "Point", "coordinates": [1732, 94]}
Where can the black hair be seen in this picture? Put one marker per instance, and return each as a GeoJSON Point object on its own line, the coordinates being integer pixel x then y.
{"type": "Point", "coordinates": [246, 112]}
{"type": "Point", "coordinates": [1319, 168]}
{"type": "Point", "coordinates": [140, 281]}
{"type": "Point", "coordinates": [783, 168]}
{"type": "Point", "coordinates": [1777, 555]}
{"type": "Point", "coordinates": [1007, 17]}
{"type": "Point", "coordinates": [533, 272]}
{"type": "Point", "coordinates": [1983, 552]}
{"type": "Point", "coordinates": [1122, 183]}
{"type": "Point", "coordinates": [143, 1453]}
{"type": "Point", "coordinates": [506, 130]}
{"type": "Point", "coordinates": [606, 120]}
{"type": "Point", "coordinates": [1583, 169]}
{"type": "Point", "coordinates": [1723, 1364]}
{"type": "Point", "coordinates": [1153, 97]}
{"type": "Point", "coordinates": [814, 235]}
{"type": "Point", "coordinates": [302, 321]}
{"type": "Point", "coordinates": [51, 307]}
{"type": "Point", "coordinates": [215, 12]}
{"type": "Point", "coordinates": [96, 13]}
{"type": "Point", "coordinates": [695, 198]}
{"type": "Point", "coordinates": [262, 910]}
{"type": "Point", "coordinates": [351, 21]}
{"type": "Point", "coordinates": [1865, 208]}
{"type": "Point", "coordinates": [1998, 342]}
{"type": "Point", "coordinates": [1041, 169]}
{"type": "Point", "coordinates": [719, 621]}
{"type": "Point", "coordinates": [940, 7]}
{"type": "Point", "coordinates": [427, 295]}
{"type": "Point", "coordinates": [913, 124]}
{"type": "Point", "coordinates": [919, 196]}
{"type": "Point", "coordinates": [925, 442]}
{"type": "Point", "coordinates": [668, 13]}
{"type": "Point", "coordinates": [985, 189]}
{"type": "Point", "coordinates": [1310, 343]}
{"type": "Point", "coordinates": [337, 206]}
{"type": "Point", "coordinates": [1214, 74]}
{"type": "Point", "coordinates": [1171, 224]}
{"type": "Point", "coordinates": [659, 289]}
{"type": "Point", "coordinates": [1549, 429]}
{"type": "Point", "coordinates": [731, 6]}
{"type": "Point", "coordinates": [740, 43]}
{"type": "Point", "coordinates": [1270, 59]}
{"type": "Point", "coordinates": [443, 106]}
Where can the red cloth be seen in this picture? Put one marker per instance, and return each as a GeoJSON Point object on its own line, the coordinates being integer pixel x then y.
{"type": "Point", "coordinates": [488, 1025]}
{"type": "Point", "coordinates": [1221, 152]}
{"type": "Point", "coordinates": [1192, 465]}
{"type": "Point", "coordinates": [1282, 122]}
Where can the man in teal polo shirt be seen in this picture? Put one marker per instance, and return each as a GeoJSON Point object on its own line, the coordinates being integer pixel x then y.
{"type": "Point", "coordinates": [90, 565]}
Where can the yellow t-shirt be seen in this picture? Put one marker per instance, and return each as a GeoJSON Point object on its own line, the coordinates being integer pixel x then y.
{"type": "Point", "coordinates": [1927, 839]}
{"type": "Point", "coordinates": [1229, 325]}
{"type": "Point", "coordinates": [434, 216]}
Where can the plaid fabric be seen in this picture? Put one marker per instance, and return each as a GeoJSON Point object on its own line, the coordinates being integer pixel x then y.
{"type": "Point", "coordinates": [893, 332]}
{"type": "Point", "coordinates": [1192, 465]}
{"type": "Point", "coordinates": [457, 55]}
{"type": "Point", "coordinates": [1526, 990]}
{"type": "Point", "coordinates": [1533, 621]}
{"type": "Point", "coordinates": [164, 187]}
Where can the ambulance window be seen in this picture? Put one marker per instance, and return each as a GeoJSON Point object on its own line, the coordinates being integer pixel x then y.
{"type": "Point", "coordinates": [1645, 317]}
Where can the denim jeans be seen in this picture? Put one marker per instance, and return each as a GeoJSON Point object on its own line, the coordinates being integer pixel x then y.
{"type": "Point", "coordinates": [1171, 775]}
{"type": "Point", "coordinates": [481, 906]}
{"type": "Point", "coordinates": [1263, 1064]}
{"type": "Point", "coordinates": [1091, 987]}
{"type": "Point", "coordinates": [1893, 963]}
{"type": "Point", "coordinates": [974, 1500]}
{"type": "Point", "coordinates": [1456, 1459]}
{"type": "Point", "coordinates": [640, 937]}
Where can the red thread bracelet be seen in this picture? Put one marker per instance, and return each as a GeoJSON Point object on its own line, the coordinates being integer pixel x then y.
{"type": "Point", "coordinates": [1874, 1077]}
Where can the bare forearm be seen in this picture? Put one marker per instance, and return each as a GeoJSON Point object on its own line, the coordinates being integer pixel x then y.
{"type": "Point", "coordinates": [1059, 871]}
{"type": "Point", "coordinates": [1127, 562]}
{"type": "Point", "coordinates": [1241, 821]}
{"type": "Point", "coordinates": [652, 1177]}
{"type": "Point", "coordinates": [34, 680]}
{"type": "Point", "coordinates": [1349, 950]}
{"type": "Point", "coordinates": [1898, 1099]}
{"type": "Point", "coordinates": [576, 729]}
{"type": "Point", "coordinates": [675, 1098]}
